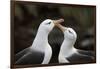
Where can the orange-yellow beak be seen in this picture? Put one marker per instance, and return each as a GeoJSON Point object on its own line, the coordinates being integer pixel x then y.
{"type": "Point", "coordinates": [57, 23]}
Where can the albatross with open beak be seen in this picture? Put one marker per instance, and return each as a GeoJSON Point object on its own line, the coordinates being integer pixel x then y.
{"type": "Point", "coordinates": [68, 53]}
{"type": "Point", "coordinates": [40, 51]}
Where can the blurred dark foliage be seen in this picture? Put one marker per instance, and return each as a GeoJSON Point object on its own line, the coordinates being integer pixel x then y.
{"type": "Point", "coordinates": [28, 16]}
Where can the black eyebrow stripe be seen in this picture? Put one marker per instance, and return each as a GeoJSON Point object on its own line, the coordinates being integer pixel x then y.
{"type": "Point", "coordinates": [69, 31]}
{"type": "Point", "coordinates": [49, 23]}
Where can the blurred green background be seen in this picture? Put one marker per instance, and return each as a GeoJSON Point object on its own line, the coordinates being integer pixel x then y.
{"type": "Point", "coordinates": [28, 16]}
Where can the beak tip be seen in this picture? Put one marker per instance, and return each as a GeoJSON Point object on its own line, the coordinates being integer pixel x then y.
{"type": "Point", "coordinates": [62, 20]}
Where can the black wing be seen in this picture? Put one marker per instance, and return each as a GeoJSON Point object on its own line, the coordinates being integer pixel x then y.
{"type": "Point", "coordinates": [21, 53]}
{"type": "Point", "coordinates": [31, 57]}
{"type": "Point", "coordinates": [89, 53]}
{"type": "Point", "coordinates": [80, 58]}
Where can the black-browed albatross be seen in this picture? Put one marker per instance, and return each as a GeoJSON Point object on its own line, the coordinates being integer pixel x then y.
{"type": "Point", "coordinates": [40, 51]}
{"type": "Point", "coordinates": [68, 53]}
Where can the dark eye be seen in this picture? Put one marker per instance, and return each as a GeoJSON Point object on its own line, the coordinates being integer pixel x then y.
{"type": "Point", "coordinates": [48, 22]}
{"type": "Point", "coordinates": [69, 31]}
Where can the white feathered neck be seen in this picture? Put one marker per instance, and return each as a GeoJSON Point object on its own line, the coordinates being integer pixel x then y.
{"type": "Point", "coordinates": [41, 40]}
{"type": "Point", "coordinates": [67, 48]}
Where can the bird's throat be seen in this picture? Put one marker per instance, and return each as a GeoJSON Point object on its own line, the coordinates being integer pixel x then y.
{"type": "Point", "coordinates": [40, 41]}
{"type": "Point", "coordinates": [67, 48]}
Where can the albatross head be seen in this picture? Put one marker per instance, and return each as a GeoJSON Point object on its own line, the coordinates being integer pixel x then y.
{"type": "Point", "coordinates": [48, 24]}
{"type": "Point", "coordinates": [69, 33]}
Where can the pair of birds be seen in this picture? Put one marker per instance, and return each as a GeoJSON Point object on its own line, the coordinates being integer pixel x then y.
{"type": "Point", "coordinates": [40, 51]}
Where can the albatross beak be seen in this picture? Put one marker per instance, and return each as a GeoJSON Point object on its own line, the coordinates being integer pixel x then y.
{"type": "Point", "coordinates": [62, 28]}
{"type": "Point", "coordinates": [57, 23]}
